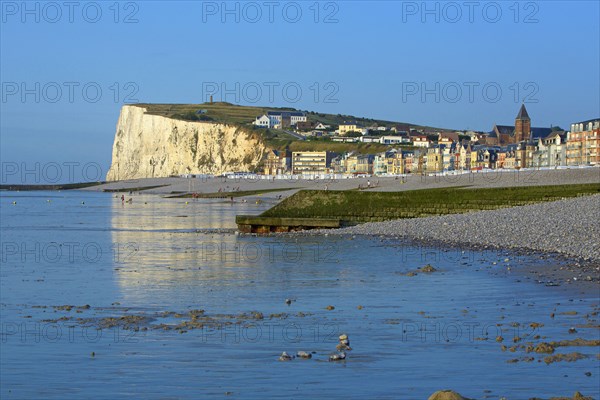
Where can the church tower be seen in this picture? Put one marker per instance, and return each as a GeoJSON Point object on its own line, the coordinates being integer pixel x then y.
{"type": "Point", "coordinates": [522, 125]}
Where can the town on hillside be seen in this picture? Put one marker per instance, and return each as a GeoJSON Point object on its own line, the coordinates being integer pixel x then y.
{"type": "Point", "coordinates": [412, 150]}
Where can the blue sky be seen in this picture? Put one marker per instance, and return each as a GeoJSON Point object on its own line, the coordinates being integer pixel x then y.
{"type": "Point", "coordinates": [462, 65]}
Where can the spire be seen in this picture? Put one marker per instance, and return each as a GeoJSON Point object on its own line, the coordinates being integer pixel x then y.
{"type": "Point", "coordinates": [522, 115]}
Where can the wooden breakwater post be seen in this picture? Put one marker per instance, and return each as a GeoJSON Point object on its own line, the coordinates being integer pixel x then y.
{"type": "Point", "coordinates": [258, 224]}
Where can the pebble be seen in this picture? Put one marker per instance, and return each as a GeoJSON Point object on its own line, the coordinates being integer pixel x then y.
{"type": "Point", "coordinates": [567, 226]}
{"type": "Point", "coordinates": [344, 343]}
{"type": "Point", "coordinates": [304, 354]}
{"type": "Point", "coordinates": [337, 357]}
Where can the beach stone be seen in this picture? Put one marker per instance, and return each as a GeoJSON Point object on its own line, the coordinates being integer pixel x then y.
{"type": "Point", "coordinates": [555, 226]}
{"type": "Point", "coordinates": [579, 396]}
{"type": "Point", "coordinates": [342, 347]}
{"type": "Point", "coordinates": [343, 336]}
{"type": "Point", "coordinates": [544, 348]}
{"type": "Point", "coordinates": [428, 268]}
{"type": "Point", "coordinates": [337, 357]}
{"type": "Point", "coordinates": [304, 354]}
{"type": "Point", "coordinates": [446, 395]}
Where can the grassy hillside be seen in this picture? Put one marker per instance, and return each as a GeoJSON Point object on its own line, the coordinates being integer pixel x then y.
{"type": "Point", "coordinates": [363, 206]}
{"type": "Point", "coordinates": [245, 115]}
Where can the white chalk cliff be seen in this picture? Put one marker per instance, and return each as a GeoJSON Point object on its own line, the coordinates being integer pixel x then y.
{"type": "Point", "coordinates": [148, 146]}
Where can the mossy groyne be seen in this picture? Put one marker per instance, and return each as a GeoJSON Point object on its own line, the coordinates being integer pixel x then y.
{"type": "Point", "coordinates": [350, 207]}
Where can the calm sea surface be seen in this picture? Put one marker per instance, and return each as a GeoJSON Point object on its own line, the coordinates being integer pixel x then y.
{"type": "Point", "coordinates": [410, 336]}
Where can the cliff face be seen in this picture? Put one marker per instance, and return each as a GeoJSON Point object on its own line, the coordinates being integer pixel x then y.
{"type": "Point", "coordinates": [149, 146]}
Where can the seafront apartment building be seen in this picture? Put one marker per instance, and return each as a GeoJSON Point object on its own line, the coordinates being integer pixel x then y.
{"type": "Point", "coordinates": [583, 143]}
{"type": "Point", "coordinates": [310, 162]}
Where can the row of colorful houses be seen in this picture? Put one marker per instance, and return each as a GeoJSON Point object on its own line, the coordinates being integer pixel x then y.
{"type": "Point", "coordinates": [505, 147]}
{"type": "Point", "coordinates": [580, 146]}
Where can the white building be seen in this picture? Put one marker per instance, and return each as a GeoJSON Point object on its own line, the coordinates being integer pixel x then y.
{"type": "Point", "coordinates": [393, 139]}
{"type": "Point", "coordinates": [263, 121]}
{"type": "Point", "coordinates": [369, 139]}
{"type": "Point", "coordinates": [420, 141]}
{"type": "Point", "coordinates": [280, 119]}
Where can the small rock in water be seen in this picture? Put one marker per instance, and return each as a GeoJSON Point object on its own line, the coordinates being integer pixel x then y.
{"type": "Point", "coordinates": [330, 308]}
{"type": "Point", "coordinates": [337, 357]}
{"type": "Point", "coordinates": [285, 357]}
{"type": "Point", "coordinates": [344, 343]}
{"type": "Point", "coordinates": [304, 354]}
{"type": "Point", "coordinates": [288, 301]}
{"type": "Point", "coordinates": [446, 395]}
{"type": "Point", "coordinates": [428, 268]}
{"type": "Point", "coordinates": [572, 330]}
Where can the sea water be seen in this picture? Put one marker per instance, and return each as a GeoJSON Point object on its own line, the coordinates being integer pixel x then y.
{"type": "Point", "coordinates": [159, 258]}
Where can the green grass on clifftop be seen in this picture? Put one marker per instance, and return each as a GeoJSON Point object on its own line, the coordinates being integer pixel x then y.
{"type": "Point", "coordinates": [244, 115]}
{"type": "Point", "coordinates": [363, 206]}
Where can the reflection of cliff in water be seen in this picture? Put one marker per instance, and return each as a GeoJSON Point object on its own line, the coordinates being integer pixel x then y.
{"type": "Point", "coordinates": [160, 251]}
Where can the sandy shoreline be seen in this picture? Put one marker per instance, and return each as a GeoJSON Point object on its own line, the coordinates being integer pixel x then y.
{"type": "Point", "coordinates": [499, 178]}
